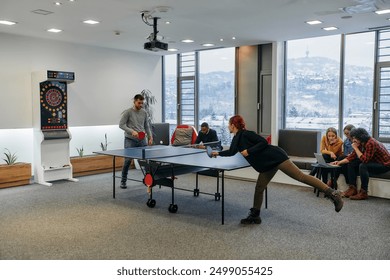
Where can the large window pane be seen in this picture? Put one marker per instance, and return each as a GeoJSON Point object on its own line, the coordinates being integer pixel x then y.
{"type": "Point", "coordinates": [358, 80]}
{"type": "Point", "coordinates": [312, 87]}
{"type": "Point", "coordinates": [216, 90]}
{"type": "Point", "coordinates": [170, 83]}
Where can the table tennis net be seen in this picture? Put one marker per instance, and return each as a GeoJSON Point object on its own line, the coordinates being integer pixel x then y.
{"type": "Point", "coordinates": [155, 152]}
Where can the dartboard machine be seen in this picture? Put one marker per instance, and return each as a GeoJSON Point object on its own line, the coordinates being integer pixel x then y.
{"type": "Point", "coordinates": [50, 122]}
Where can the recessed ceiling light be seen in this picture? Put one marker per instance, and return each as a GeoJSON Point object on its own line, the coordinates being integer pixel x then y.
{"type": "Point", "coordinates": [233, 38]}
{"type": "Point", "coordinates": [313, 22]}
{"type": "Point", "coordinates": [172, 50]}
{"type": "Point", "coordinates": [7, 22]}
{"type": "Point", "coordinates": [57, 3]}
{"type": "Point", "coordinates": [382, 12]}
{"type": "Point", "coordinates": [54, 30]}
{"type": "Point", "coordinates": [167, 22]}
{"type": "Point", "coordinates": [330, 28]}
{"type": "Point", "coordinates": [90, 21]}
{"type": "Point", "coordinates": [208, 45]}
{"type": "Point", "coordinates": [187, 41]}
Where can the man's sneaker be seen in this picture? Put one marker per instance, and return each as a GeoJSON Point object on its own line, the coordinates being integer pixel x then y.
{"type": "Point", "coordinates": [253, 217]}
{"type": "Point", "coordinates": [360, 196]}
{"type": "Point", "coordinates": [336, 198]}
{"type": "Point", "coordinates": [123, 185]}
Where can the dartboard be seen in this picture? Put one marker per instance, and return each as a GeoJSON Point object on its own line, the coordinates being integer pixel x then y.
{"type": "Point", "coordinates": [53, 97]}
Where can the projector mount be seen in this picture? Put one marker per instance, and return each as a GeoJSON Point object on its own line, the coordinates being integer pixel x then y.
{"type": "Point", "coordinates": [146, 16]}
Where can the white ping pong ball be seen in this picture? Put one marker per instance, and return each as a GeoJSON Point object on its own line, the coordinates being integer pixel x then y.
{"type": "Point", "coordinates": [161, 142]}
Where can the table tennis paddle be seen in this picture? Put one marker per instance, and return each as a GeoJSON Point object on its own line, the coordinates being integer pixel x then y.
{"type": "Point", "coordinates": [141, 135]}
{"type": "Point", "coordinates": [209, 151]}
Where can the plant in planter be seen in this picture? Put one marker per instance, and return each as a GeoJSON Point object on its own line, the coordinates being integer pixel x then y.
{"type": "Point", "coordinates": [105, 144]}
{"type": "Point", "coordinates": [14, 173]}
{"type": "Point", "coordinates": [10, 158]}
{"type": "Point", "coordinates": [94, 164]}
{"type": "Point", "coordinates": [80, 151]}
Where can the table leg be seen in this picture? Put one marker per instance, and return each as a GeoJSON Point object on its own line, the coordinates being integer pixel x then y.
{"type": "Point", "coordinates": [113, 177]}
{"type": "Point", "coordinates": [223, 197]}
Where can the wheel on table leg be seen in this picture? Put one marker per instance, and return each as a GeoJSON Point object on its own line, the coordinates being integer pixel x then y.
{"type": "Point", "coordinates": [217, 196]}
{"type": "Point", "coordinates": [151, 203]}
{"type": "Point", "coordinates": [172, 208]}
{"type": "Point", "coordinates": [196, 192]}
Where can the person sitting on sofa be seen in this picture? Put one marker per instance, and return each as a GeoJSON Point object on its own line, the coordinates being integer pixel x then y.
{"type": "Point", "coordinates": [373, 158]}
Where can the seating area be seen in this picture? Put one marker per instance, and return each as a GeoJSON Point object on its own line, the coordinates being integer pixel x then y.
{"type": "Point", "coordinates": [301, 145]}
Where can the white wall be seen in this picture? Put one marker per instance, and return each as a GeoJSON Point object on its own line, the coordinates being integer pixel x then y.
{"type": "Point", "coordinates": [106, 80]}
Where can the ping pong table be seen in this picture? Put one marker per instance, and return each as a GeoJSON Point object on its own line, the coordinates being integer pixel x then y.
{"type": "Point", "coordinates": [161, 164]}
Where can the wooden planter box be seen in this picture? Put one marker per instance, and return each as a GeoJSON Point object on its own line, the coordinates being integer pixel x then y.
{"type": "Point", "coordinates": [18, 174]}
{"type": "Point", "coordinates": [94, 164]}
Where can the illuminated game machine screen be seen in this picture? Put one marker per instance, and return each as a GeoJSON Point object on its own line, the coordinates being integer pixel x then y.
{"type": "Point", "coordinates": [51, 135]}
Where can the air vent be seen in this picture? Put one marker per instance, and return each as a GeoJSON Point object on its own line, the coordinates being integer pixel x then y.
{"type": "Point", "coordinates": [42, 12]}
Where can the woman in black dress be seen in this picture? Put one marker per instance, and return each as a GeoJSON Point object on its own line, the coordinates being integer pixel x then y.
{"type": "Point", "coordinates": [267, 160]}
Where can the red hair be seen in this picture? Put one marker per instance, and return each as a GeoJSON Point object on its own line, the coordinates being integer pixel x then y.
{"type": "Point", "coordinates": [238, 122]}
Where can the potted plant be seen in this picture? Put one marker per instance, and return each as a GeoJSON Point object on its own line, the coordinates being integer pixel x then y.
{"type": "Point", "coordinates": [14, 173]}
{"type": "Point", "coordinates": [94, 164]}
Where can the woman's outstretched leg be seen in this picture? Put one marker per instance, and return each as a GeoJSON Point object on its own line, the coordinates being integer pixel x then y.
{"type": "Point", "coordinates": [290, 169]}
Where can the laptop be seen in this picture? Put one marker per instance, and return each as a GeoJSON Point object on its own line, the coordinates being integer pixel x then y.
{"type": "Point", "coordinates": [321, 161]}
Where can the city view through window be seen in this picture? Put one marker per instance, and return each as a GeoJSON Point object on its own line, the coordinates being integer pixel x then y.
{"type": "Point", "coordinates": [317, 79]}
{"type": "Point", "coordinates": [215, 90]}
{"type": "Point", "coordinates": [313, 82]}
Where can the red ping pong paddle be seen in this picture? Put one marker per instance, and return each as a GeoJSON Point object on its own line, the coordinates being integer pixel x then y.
{"type": "Point", "coordinates": [141, 135]}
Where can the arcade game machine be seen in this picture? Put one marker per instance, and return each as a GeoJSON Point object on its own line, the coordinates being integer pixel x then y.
{"type": "Point", "coordinates": [51, 135]}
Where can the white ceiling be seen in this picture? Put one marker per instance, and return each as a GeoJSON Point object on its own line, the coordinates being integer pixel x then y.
{"type": "Point", "coordinates": [204, 21]}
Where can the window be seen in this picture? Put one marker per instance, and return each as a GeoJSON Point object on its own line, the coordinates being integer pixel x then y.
{"type": "Point", "coordinates": [204, 89]}
{"type": "Point", "coordinates": [313, 78]}
{"type": "Point", "coordinates": [216, 90]}
{"type": "Point", "coordinates": [170, 89]}
{"type": "Point", "coordinates": [312, 83]}
{"type": "Point", "coordinates": [358, 80]}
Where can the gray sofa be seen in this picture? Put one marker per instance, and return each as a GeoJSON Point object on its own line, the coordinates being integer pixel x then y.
{"type": "Point", "coordinates": [300, 145]}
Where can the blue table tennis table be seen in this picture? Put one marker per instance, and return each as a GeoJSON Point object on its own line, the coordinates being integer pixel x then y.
{"type": "Point", "coordinates": [161, 164]}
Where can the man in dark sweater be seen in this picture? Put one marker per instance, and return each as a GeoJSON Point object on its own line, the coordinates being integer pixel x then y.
{"type": "Point", "coordinates": [206, 135]}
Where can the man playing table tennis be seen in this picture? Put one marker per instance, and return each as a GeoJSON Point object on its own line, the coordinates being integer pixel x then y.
{"type": "Point", "coordinates": [134, 122]}
{"type": "Point", "coordinates": [267, 160]}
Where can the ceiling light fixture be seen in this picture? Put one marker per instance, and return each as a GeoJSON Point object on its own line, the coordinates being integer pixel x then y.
{"type": "Point", "coordinates": [382, 12]}
{"type": "Point", "coordinates": [172, 50]}
{"type": "Point", "coordinates": [7, 22]}
{"type": "Point", "coordinates": [91, 21]}
{"type": "Point", "coordinates": [54, 30]}
{"type": "Point", "coordinates": [313, 22]}
{"type": "Point", "coordinates": [57, 3]}
{"type": "Point", "coordinates": [208, 45]}
{"type": "Point", "coordinates": [167, 22]}
{"type": "Point", "coordinates": [221, 40]}
{"type": "Point", "coordinates": [187, 41]}
{"type": "Point", "coordinates": [330, 28]}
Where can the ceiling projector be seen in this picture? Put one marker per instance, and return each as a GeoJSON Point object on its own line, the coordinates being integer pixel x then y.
{"type": "Point", "coordinates": [155, 46]}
